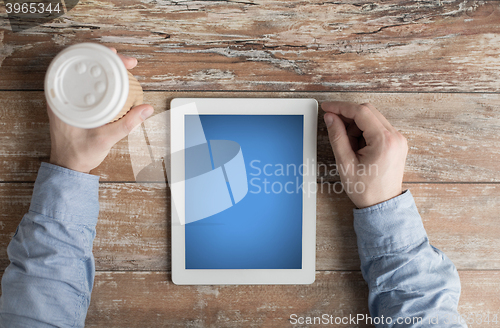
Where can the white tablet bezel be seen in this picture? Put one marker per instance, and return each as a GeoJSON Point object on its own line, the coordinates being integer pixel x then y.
{"type": "Point", "coordinates": [308, 108]}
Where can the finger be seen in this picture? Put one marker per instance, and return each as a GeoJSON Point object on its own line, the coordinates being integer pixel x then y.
{"type": "Point", "coordinates": [353, 132]}
{"type": "Point", "coordinates": [50, 112]}
{"type": "Point", "coordinates": [364, 118]}
{"type": "Point", "coordinates": [346, 120]}
{"type": "Point", "coordinates": [380, 117]}
{"type": "Point", "coordinates": [129, 62]}
{"type": "Point", "coordinates": [118, 130]}
{"type": "Point", "coordinates": [53, 119]}
{"type": "Point", "coordinates": [344, 155]}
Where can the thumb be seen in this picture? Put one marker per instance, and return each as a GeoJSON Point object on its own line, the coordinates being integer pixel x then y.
{"type": "Point", "coordinates": [120, 129]}
{"type": "Point", "coordinates": [344, 155]}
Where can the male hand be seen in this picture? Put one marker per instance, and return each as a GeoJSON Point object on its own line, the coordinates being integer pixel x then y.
{"type": "Point", "coordinates": [84, 149]}
{"type": "Point", "coordinates": [370, 153]}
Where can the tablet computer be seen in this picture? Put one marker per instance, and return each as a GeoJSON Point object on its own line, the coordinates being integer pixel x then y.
{"type": "Point", "coordinates": [243, 190]}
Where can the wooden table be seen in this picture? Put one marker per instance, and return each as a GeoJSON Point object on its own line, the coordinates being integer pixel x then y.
{"type": "Point", "coordinates": [431, 67]}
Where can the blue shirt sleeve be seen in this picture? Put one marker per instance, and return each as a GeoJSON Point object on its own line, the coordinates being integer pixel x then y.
{"type": "Point", "coordinates": [411, 282]}
{"type": "Point", "coordinates": [49, 280]}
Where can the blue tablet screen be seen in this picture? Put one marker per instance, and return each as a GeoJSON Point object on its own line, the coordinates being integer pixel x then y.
{"type": "Point", "coordinates": [256, 219]}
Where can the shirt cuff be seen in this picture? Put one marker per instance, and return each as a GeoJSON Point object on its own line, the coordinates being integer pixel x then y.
{"type": "Point", "coordinates": [66, 195]}
{"type": "Point", "coordinates": [389, 227]}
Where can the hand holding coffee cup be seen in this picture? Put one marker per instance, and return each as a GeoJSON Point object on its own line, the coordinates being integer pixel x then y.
{"type": "Point", "coordinates": [87, 85]}
{"type": "Point", "coordinates": [80, 135]}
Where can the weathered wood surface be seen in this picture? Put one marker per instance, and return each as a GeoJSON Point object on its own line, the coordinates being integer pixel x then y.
{"type": "Point", "coordinates": [132, 299]}
{"type": "Point", "coordinates": [452, 137]}
{"type": "Point", "coordinates": [133, 231]}
{"type": "Point", "coordinates": [396, 45]}
{"type": "Point", "coordinates": [244, 48]}
{"type": "Point", "coordinates": [139, 299]}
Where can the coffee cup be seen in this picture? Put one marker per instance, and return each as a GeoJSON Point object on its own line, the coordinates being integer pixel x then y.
{"type": "Point", "coordinates": [87, 85]}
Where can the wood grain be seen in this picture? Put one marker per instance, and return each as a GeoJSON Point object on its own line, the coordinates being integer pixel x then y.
{"type": "Point", "coordinates": [431, 67]}
{"type": "Point", "coordinates": [136, 299]}
{"type": "Point", "coordinates": [133, 231]}
{"type": "Point", "coordinates": [452, 137]}
{"type": "Point", "coordinates": [131, 299]}
{"type": "Point", "coordinates": [396, 45]}
{"type": "Point", "coordinates": [480, 290]}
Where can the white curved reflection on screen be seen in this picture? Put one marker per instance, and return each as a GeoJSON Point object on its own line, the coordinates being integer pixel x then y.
{"type": "Point", "coordinates": [214, 178]}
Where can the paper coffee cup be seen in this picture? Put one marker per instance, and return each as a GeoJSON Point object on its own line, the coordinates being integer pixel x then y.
{"type": "Point", "coordinates": [87, 85]}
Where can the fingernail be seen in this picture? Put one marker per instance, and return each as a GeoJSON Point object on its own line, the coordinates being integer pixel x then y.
{"type": "Point", "coordinates": [328, 119]}
{"type": "Point", "coordinates": [147, 112]}
{"type": "Point", "coordinates": [131, 58]}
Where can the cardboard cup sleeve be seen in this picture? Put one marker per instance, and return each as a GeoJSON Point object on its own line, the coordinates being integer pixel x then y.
{"type": "Point", "coordinates": [135, 97]}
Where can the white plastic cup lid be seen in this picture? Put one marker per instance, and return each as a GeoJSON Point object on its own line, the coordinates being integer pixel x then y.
{"type": "Point", "coordinates": [86, 85]}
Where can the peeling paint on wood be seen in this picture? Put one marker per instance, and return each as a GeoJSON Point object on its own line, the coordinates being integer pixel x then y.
{"type": "Point", "coordinates": [275, 45]}
{"type": "Point", "coordinates": [243, 48]}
